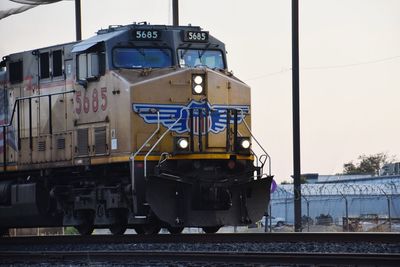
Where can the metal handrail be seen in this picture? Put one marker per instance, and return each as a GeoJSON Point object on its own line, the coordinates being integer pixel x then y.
{"type": "Point", "coordinates": [10, 122]}
{"type": "Point", "coordinates": [268, 157]}
{"type": "Point", "coordinates": [133, 155]}
{"type": "Point", "coordinates": [159, 140]}
{"type": "Point", "coordinates": [31, 97]}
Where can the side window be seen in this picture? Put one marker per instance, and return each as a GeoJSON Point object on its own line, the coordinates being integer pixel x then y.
{"type": "Point", "coordinates": [57, 63]}
{"type": "Point", "coordinates": [44, 65]}
{"type": "Point", "coordinates": [82, 66]}
{"type": "Point", "coordinates": [51, 64]}
{"type": "Point", "coordinates": [91, 65]}
{"type": "Point", "coordinates": [16, 72]}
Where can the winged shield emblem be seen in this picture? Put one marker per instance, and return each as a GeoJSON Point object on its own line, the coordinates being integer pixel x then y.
{"type": "Point", "coordinates": [215, 116]}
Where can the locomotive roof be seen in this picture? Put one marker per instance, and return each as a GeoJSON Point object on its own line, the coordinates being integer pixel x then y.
{"type": "Point", "coordinates": [118, 34]}
{"type": "Point", "coordinates": [145, 25]}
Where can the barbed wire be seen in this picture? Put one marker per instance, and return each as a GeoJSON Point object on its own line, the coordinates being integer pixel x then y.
{"type": "Point", "coordinates": [384, 189]}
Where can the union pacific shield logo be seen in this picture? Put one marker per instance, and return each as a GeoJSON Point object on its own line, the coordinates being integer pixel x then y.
{"type": "Point", "coordinates": [213, 117]}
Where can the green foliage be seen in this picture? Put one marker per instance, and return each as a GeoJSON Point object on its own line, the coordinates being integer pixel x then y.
{"type": "Point", "coordinates": [71, 231]}
{"type": "Point", "coordinates": [367, 164]}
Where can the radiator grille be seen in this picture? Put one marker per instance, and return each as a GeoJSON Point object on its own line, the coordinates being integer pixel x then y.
{"type": "Point", "coordinates": [100, 140]}
{"type": "Point", "coordinates": [82, 142]}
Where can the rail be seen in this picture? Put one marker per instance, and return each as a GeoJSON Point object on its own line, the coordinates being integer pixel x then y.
{"type": "Point", "coordinates": [266, 155]}
{"type": "Point", "coordinates": [334, 249]}
{"type": "Point", "coordinates": [159, 140]}
{"type": "Point", "coordinates": [132, 159]}
{"type": "Point", "coordinates": [10, 122]}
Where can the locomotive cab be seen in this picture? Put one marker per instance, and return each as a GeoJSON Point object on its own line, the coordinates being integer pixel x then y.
{"type": "Point", "coordinates": [158, 134]}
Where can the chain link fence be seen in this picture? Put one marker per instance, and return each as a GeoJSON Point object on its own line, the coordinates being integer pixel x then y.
{"type": "Point", "coordinates": [339, 207]}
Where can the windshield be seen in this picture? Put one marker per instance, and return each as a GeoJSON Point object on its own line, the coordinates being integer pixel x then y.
{"type": "Point", "coordinates": [197, 57]}
{"type": "Point", "coordinates": [137, 58]}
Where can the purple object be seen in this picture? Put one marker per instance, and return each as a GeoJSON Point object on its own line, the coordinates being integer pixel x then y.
{"type": "Point", "coordinates": [273, 186]}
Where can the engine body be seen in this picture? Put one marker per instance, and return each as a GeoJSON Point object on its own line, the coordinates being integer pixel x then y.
{"type": "Point", "coordinates": [139, 126]}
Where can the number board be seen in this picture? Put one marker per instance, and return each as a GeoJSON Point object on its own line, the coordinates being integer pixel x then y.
{"type": "Point", "coordinates": [195, 36]}
{"type": "Point", "coordinates": [146, 35]}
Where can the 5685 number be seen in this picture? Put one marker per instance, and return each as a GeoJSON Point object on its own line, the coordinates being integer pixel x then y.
{"type": "Point", "coordinates": [96, 101]}
{"type": "Point", "coordinates": [196, 36]}
{"type": "Point", "coordinates": [146, 34]}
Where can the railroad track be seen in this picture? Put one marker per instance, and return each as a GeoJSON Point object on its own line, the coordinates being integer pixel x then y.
{"type": "Point", "coordinates": [209, 238]}
{"type": "Point", "coordinates": [313, 249]}
{"type": "Point", "coordinates": [197, 258]}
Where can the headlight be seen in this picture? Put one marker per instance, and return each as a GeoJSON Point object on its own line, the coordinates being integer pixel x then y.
{"type": "Point", "coordinates": [198, 89]}
{"type": "Point", "coordinates": [198, 84]}
{"type": "Point", "coordinates": [198, 79]}
{"type": "Point", "coordinates": [181, 143]}
{"type": "Point", "coordinates": [243, 144]}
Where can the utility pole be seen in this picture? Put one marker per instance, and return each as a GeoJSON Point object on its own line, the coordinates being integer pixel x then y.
{"type": "Point", "coordinates": [296, 115]}
{"type": "Point", "coordinates": [175, 13]}
{"type": "Point", "coordinates": [78, 20]}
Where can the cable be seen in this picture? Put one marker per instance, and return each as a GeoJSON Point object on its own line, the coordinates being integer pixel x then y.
{"type": "Point", "coordinates": [351, 65]}
{"type": "Point", "coordinates": [324, 67]}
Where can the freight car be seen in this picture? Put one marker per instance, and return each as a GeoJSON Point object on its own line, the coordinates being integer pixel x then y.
{"type": "Point", "coordinates": [141, 126]}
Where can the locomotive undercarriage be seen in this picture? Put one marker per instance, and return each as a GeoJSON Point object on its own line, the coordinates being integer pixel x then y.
{"type": "Point", "coordinates": [207, 193]}
{"type": "Point", "coordinates": [174, 195]}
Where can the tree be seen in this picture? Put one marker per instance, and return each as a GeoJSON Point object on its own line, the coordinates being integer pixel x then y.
{"type": "Point", "coordinates": [367, 164]}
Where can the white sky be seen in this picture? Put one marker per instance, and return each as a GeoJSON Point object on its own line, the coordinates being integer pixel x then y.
{"type": "Point", "coordinates": [349, 58]}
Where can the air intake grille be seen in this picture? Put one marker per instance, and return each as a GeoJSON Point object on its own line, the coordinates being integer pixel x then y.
{"type": "Point", "coordinates": [82, 142]}
{"type": "Point", "coordinates": [42, 146]}
{"type": "Point", "coordinates": [100, 140]}
{"type": "Point", "coordinates": [61, 143]}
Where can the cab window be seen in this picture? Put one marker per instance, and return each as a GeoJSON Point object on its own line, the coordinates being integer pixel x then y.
{"type": "Point", "coordinates": [198, 57]}
{"type": "Point", "coordinates": [138, 58]}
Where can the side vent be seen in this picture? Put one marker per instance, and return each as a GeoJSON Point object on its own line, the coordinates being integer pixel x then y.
{"type": "Point", "coordinates": [42, 145]}
{"type": "Point", "coordinates": [82, 142]}
{"type": "Point", "coordinates": [100, 138]}
{"type": "Point", "coordinates": [61, 143]}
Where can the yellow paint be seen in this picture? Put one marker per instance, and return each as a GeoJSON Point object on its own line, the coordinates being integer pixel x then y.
{"type": "Point", "coordinates": [9, 168]}
{"type": "Point", "coordinates": [116, 159]}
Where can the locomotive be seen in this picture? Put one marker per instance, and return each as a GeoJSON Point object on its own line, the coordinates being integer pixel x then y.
{"type": "Point", "coordinates": [141, 126]}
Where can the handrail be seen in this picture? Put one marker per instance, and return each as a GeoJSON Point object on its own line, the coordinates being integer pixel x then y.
{"type": "Point", "coordinates": [10, 122]}
{"type": "Point", "coordinates": [31, 97]}
{"type": "Point", "coordinates": [268, 157]}
{"type": "Point", "coordinates": [159, 139]}
{"type": "Point", "coordinates": [132, 157]}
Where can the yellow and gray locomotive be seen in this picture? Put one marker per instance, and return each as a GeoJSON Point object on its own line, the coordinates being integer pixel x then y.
{"type": "Point", "coordinates": [140, 126]}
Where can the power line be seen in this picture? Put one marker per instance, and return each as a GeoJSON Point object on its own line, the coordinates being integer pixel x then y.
{"type": "Point", "coordinates": [284, 70]}
{"type": "Point", "coordinates": [352, 64]}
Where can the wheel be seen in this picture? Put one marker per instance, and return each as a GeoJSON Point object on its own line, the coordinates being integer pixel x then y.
{"type": "Point", "coordinates": [118, 229]}
{"type": "Point", "coordinates": [279, 224]}
{"type": "Point", "coordinates": [85, 229]}
{"type": "Point", "coordinates": [211, 229]}
{"type": "Point", "coordinates": [175, 230]}
{"type": "Point", "coordinates": [147, 229]}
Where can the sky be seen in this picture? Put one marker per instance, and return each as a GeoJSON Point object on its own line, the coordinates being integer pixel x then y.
{"type": "Point", "coordinates": [349, 65]}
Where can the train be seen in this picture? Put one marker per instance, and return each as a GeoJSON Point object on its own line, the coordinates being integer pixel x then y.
{"type": "Point", "coordinates": [140, 126]}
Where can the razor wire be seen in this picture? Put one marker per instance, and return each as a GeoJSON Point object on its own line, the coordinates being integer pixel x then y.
{"type": "Point", "coordinates": [333, 206]}
{"type": "Point", "coordinates": [390, 188]}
